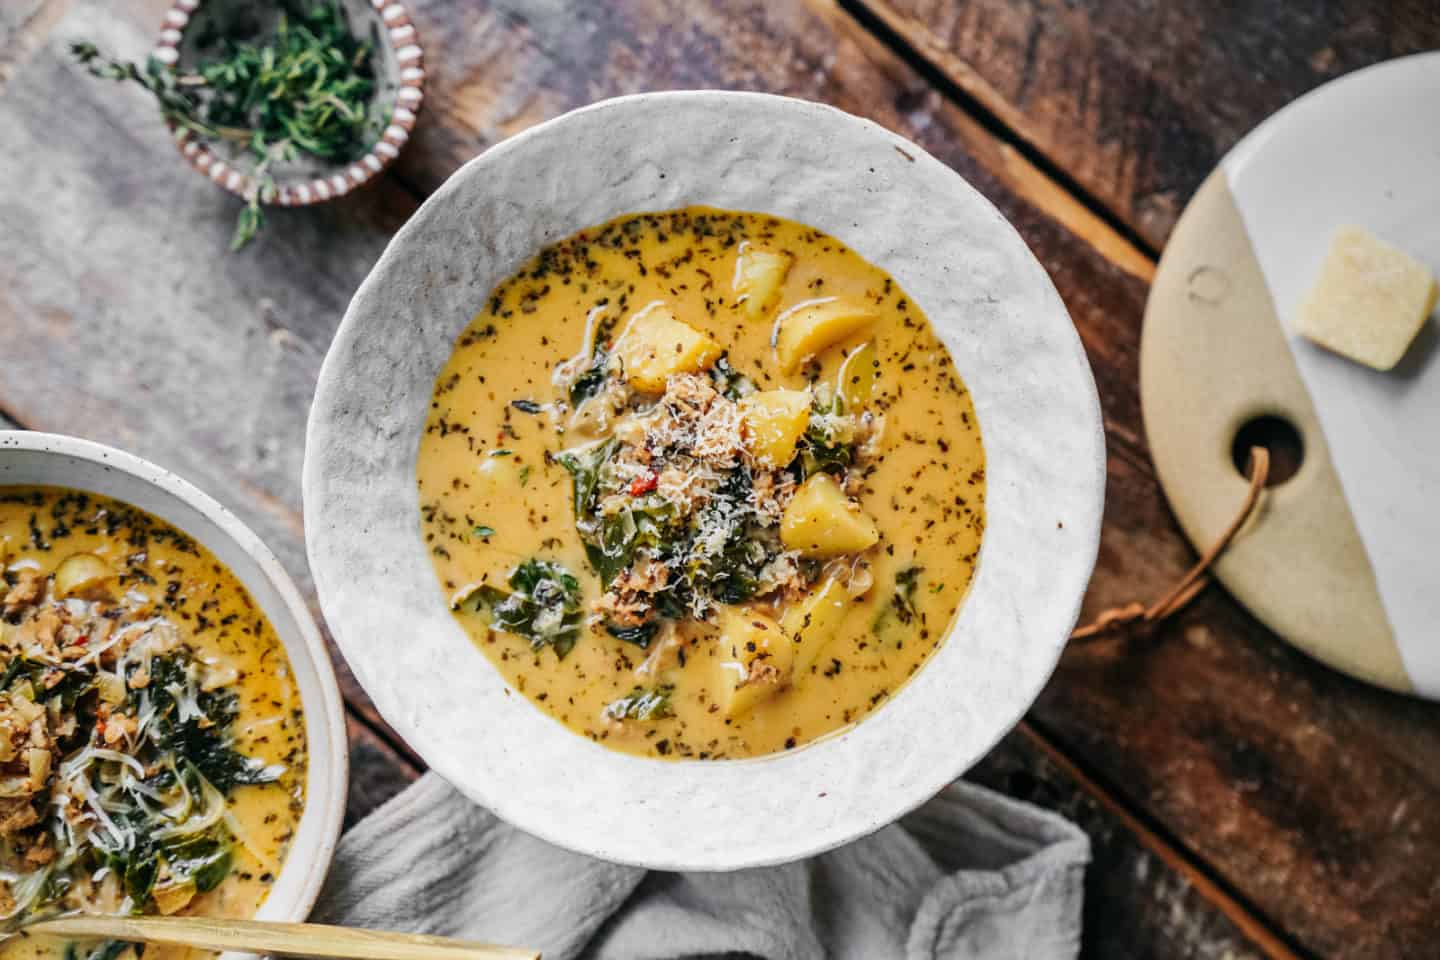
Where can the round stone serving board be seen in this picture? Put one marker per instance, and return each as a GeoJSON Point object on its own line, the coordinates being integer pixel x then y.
{"type": "Point", "coordinates": [960, 261]}
{"type": "Point", "coordinates": [1342, 560]}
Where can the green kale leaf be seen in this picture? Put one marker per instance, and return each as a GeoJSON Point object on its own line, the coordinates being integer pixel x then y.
{"type": "Point", "coordinates": [642, 704]}
{"type": "Point", "coordinates": [640, 635]}
{"type": "Point", "coordinates": [589, 383]}
{"type": "Point", "coordinates": [543, 605]}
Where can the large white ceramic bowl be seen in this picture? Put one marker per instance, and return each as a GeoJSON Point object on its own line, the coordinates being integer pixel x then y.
{"type": "Point", "coordinates": [44, 458]}
{"type": "Point", "coordinates": [959, 260]}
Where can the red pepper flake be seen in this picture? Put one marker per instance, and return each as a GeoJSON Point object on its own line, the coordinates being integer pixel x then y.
{"type": "Point", "coordinates": [645, 484]}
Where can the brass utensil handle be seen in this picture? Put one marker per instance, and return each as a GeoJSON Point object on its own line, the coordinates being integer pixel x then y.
{"type": "Point", "coordinates": [287, 939]}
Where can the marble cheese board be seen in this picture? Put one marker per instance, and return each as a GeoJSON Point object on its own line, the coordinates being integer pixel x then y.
{"type": "Point", "coordinates": [1341, 559]}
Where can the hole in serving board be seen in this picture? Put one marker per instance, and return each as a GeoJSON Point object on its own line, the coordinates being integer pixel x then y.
{"type": "Point", "coordinates": [1276, 434]}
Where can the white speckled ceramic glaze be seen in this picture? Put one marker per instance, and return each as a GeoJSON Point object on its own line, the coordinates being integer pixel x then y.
{"type": "Point", "coordinates": [959, 260]}
{"type": "Point", "coordinates": [48, 459]}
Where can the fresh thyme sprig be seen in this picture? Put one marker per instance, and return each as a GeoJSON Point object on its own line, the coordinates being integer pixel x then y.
{"type": "Point", "coordinates": [306, 89]}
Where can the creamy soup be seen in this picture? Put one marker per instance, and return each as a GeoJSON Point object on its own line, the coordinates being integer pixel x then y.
{"type": "Point", "coordinates": [152, 746]}
{"type": "Point", "coordinates": [702, 484]}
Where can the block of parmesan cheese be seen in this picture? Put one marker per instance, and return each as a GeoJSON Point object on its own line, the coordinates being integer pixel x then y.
{"type": "Point", "coordinates": [1370, 301]}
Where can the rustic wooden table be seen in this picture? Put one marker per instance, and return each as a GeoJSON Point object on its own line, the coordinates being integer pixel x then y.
{"type": "Point", "coordinates": [1243, 800]}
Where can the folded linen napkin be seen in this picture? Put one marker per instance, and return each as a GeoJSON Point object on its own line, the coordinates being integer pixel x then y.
{"type": "Point", "coordinates": [971, 874]}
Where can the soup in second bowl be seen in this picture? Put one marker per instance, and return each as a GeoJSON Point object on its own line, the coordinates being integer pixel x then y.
{"type": "Point", "coordinates": [152, 743]}
{"type": "Point", "coordinates": [702, 484]}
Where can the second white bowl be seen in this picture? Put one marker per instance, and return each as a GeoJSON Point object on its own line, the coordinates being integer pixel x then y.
{"type": "Point", "coordinates": [52, 460]}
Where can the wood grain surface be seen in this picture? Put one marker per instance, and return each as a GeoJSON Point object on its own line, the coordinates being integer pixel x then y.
{"type": "Point", "coordinates": [1142, 898]}
{"type": "Point", "coordinates": [1243, 801]}
{"type": "Point", "coordinates": [1303, 789]}
{"type": "Point", "coordinates": [1137, 100]}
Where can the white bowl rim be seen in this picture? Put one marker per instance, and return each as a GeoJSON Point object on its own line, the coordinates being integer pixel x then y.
{"type": "Point", "coordinates": [325, 794]}
{"type": "Point", "coordinates": [336, 584]}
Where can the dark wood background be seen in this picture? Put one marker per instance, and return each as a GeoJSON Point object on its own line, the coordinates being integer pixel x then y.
{"type": "Point", "coordinates": [1243, 800]}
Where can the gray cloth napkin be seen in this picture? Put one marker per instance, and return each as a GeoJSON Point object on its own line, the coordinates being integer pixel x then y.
{"type": "Point", "coordinates": [971, 874]}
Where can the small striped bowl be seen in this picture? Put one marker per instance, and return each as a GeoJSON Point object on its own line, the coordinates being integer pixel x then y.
{"type": "Point", "coordinates": [400, 79]}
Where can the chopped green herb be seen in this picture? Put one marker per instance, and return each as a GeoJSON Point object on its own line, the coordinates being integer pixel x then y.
{"type": "Point", "coordinates": [611, 541]}
{"type": "Point", "coordinates": [527, 406]}
{"type": "Point", "coordinates": [584, 465]}
{"type": "Point", "coordinates": [543, 606]}
{"type": "Point", "coordinates": [642, 704]}
{"type": "Point", "coordinates": [192, 723]}
{"type": "Point", "coordinates": [729, 381]}
{"type": "Point", "coordinates": [482, 530]}
{"type": "Point", "coordinates": [827, 445]}
{"type": "Point", "coordinates": [17, 666]}
{"type": "Point", "coordinates": [731, 574]}
{"type": "Point", "coordinates": [589, 383]}
{"type": "Point", "coordinates": [712, 556]}
{"type": "Point", "coordinates": [309, 88]}
{"type": "Point", "coordinates": [647, 522]}
{"type": "Point", "coordinates": [640, 635]}
{"type": "Point", "coordinates": [502, 452]}
{"type": "Point", "coordinates": [903, 599]}
{"type": "Point", "coordinates": [524, 475]}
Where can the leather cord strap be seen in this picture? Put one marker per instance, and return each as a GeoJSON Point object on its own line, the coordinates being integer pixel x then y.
{"type": "Point", "coordinates": [1197, 579]}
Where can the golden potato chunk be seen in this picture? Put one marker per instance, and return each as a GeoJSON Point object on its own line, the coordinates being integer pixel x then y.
{"type": "Point", "coordinates": [774, 422]}
{"type": "Point", "coordinates": [812, 621]}
{"type": "Point", "coordinates": [807, 328]}
{"type": "Point", "coordinates": [856, 381]}
{"type": "Point", "coordinates": [820, 521]}
{"type": "Point", "coordinates": [758, 276]}
{"type": "Point", "coordinates": [81, 574]}
{"type": "Point", "coordinates": [756, 659]}
{"type": "Point", "coordinates": [654, 345]}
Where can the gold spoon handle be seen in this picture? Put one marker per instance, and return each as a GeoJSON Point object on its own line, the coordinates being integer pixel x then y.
{"type": "Point", "coordinates": [288, 939]}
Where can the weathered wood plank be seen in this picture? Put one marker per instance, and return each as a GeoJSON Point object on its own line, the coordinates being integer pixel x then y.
{"type": "Point", "coordinates": [23, 24]}
{"type": "Point", "coordinates": [1138, 100]}
{"type": "Point", "coordinates": [1308, 792]}
{"type": "Point", "coordinates": [1177, 915]}
{"type": "Point", "coordinates": [516, 63]}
